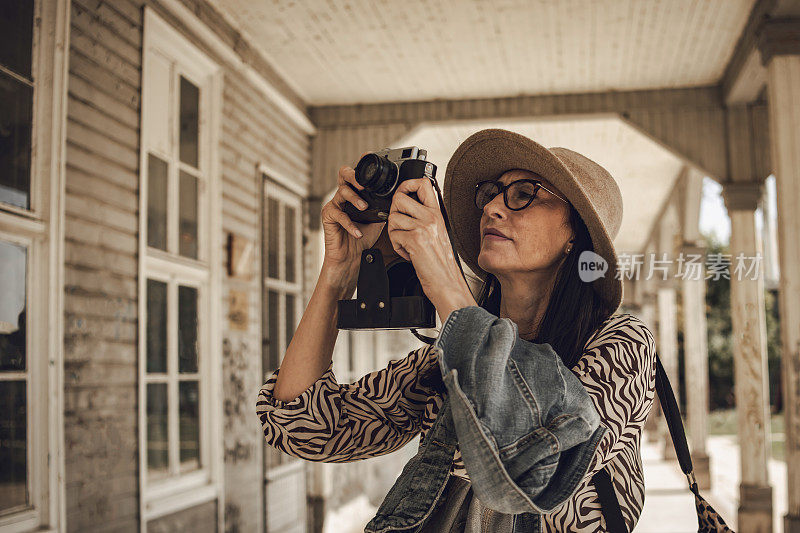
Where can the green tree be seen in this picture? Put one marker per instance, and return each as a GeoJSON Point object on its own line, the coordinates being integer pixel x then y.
{"type": "Point", "coordinates": [720, 338]}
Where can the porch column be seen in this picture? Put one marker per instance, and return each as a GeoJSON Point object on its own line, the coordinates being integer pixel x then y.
{"type": "Point", "coordinates": [750, 359]}
{"type": "Point", "coordinates": [695, 350]}
{"type": "Point", "coordinates": [668, 352]}
{"type": "Point", "coordinates": [780, 52]}
{"type": "Point", "coordinates": [648, 316]}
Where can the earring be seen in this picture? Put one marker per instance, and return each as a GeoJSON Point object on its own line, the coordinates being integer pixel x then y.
{"type": "Point", "coordinates": [569, 248]}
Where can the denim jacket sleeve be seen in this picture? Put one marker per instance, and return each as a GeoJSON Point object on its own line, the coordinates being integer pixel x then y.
{"type": "Point", "coordinates": [527, 428]}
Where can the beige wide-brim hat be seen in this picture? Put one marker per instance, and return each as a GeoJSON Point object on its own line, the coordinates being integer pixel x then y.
{"type": "Point", "coordinates": [594, 193]}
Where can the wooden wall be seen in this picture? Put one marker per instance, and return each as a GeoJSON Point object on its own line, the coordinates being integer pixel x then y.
{"type": "Point", "coordinates": [100, 306]}
{"type": "Point", "coordinates": [253, 132]}
{"type": "Point", "coordinates": [102, 187]}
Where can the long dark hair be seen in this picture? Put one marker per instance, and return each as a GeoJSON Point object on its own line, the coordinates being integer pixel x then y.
{"type": "Point", "coordinates": [573, 312]}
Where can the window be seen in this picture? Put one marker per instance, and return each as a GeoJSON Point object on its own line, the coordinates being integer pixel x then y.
{"type": "Point", "coordinates": [16, 102]}
{"type": "Point", "coordinates": [173, 380]}
{"type": "Point", "coordinates": [179, 346]}
{"type": "Point", "coordinates": [283, 288]}
{"type": "Point", "coordinates": [15, 377]}
{"type": "Point", "coordinates": [31, 286]}
{"type": "Point", "coordinates": [283, 280]}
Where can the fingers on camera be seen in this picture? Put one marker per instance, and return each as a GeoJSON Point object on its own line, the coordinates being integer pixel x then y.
{"type": "Point", "coordinates": [346, 194]}
{"type": "Point", "coordinates": [351, 196]}
{"type": "Point", "coordinates": [347, 174]}
{"type": "Point", "coordinates": [342, 218]}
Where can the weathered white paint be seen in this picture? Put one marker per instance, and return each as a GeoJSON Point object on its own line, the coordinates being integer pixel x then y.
{"type": "Point", "coordinates": [748, 318]}
{"type": "Point", "coordinates": [784, 111]}
{"type": "Point", "coordinates": [360, 51]}
{"type": "Point", "coordinates": [695, 330]}
{"type": "Point", "coordinates": [236, 62]}
{"type": "Point", "coordinates": [168, 54]}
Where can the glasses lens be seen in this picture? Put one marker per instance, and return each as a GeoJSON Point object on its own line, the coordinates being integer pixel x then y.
{"type": "Point", "coordinates": [521, 193]}
{"type": "Point", "coordinates": [484, 194]}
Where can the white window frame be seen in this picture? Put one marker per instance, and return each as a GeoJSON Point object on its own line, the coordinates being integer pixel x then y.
{"type": "Point", "coordinates": [40, 230]}
{"type": "Point", "coordinates": [291, 197]}
{"type": "Point", "coordinates": [166, 496]}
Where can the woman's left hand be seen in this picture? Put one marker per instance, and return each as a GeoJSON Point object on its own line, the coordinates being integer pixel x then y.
{"type": "Point", "coordinates": [418, 234]}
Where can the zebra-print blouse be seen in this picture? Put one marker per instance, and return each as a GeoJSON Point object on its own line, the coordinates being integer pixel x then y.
{"type": "Point", "coordinates": [385, 409]}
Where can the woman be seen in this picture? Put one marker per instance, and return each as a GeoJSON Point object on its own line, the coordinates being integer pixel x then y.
{"type": "Point", "coordinates": [522, 217]}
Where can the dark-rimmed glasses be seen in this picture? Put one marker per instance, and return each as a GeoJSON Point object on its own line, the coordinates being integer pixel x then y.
{"type": "Point", "coordinates": [517, 195]}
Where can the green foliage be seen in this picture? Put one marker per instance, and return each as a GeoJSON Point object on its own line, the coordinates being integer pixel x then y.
{"type": "Point", "coordinates": [720, 338]}
{"type": "Point", "coordinates": [720, 335]}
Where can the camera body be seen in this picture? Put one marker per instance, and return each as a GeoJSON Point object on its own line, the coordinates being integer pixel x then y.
{"type": "Point", "coordinates": [388, 296]}
{"type": "Point", "coordinates": [380, 173]}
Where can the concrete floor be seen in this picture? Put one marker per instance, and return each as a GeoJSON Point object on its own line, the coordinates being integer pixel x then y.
{"type": "Point", "coordinates": [669, 506]}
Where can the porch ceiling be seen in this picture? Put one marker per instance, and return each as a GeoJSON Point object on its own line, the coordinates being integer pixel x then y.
{"type": "Point", "coordinates": [363, 51]}
{"type": "Point", "coordinates": [644, 171]}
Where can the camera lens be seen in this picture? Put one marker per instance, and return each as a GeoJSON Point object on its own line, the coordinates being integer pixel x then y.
{"type": "Point", "coordinates": [376, 174]}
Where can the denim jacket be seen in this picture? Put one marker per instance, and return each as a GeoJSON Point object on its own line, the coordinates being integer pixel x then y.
{"type": "Point", "coordinates": [526, 427]}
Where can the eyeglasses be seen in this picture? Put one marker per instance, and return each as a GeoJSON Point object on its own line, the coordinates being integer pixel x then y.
{"type": "Point", "coordinates": [517, 195]}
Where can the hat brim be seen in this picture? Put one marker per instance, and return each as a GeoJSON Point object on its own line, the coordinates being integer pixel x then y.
{"type": "Point", "coordinates": [489, 153]}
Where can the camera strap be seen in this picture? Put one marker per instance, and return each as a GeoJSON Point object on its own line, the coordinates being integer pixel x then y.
{"type": "Point", "coordinates": [425, 338]}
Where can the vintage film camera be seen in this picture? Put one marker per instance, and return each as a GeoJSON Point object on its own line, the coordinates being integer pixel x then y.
{"type": "Point", "coordinates": [388, 296]}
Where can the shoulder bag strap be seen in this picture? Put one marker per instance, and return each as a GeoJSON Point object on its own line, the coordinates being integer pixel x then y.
{"type": "Point", "coordinates": [608, 501]}
{"type": "Point", "coordinates": [602, 479]}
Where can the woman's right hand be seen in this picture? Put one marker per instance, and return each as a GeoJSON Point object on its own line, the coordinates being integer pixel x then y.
{"type": "Point", "coordinates": [343, 245]}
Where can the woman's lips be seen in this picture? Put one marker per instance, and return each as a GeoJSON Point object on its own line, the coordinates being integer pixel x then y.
{"type": "Point", "coordinates": [494, 237]}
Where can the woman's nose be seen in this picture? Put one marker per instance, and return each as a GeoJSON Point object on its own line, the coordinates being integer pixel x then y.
{"type": "Point", "coordinates": [496, 208]}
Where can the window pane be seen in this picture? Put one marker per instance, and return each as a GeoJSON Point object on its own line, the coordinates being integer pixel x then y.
{"type": "Point", "coordinates": [189, 414]}
{"type": "Point", "coordinates": [12, 307]}
{"type": "Point", "coordinates": [156, 202]}
{"type": "Point", "coordinates": [188, 211]}
{"type": "Point", "coordinates": [156, 326]}
{"type": "Point", "coordinates": [291, 301]}
{"type": "Point", "coordinates": [272, 332]}
{"type": "Point", "coordinates": [289, 218]}
{"type": "Point", "coordinates": [16, 35]}
{"type": "Point", "coordinates": [16, 101]}
{"type": "Point", "coordinates": [13, 446]}
{"type": "Point", "coordinates": [157, 434]}
{"type": "Point", "coordinates": [272, 237]}
{"type": "Point", "coordinates": [189, 122]}
{"type": "Point", "coordinates": [187, 326]}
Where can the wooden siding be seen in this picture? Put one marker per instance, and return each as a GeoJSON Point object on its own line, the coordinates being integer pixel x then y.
{"type": "Point", "coordinates": [199, 519]}
{"type": "Point", "coordinates": [253, 132]}
{"type": "Point", "coordinates": [100, 304]}
{"type": "Point", "coordinates": [101, 233]}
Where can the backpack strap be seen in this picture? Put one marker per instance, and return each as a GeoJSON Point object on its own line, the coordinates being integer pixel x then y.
{"type": "Point", "coordinates": [602, 479]}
